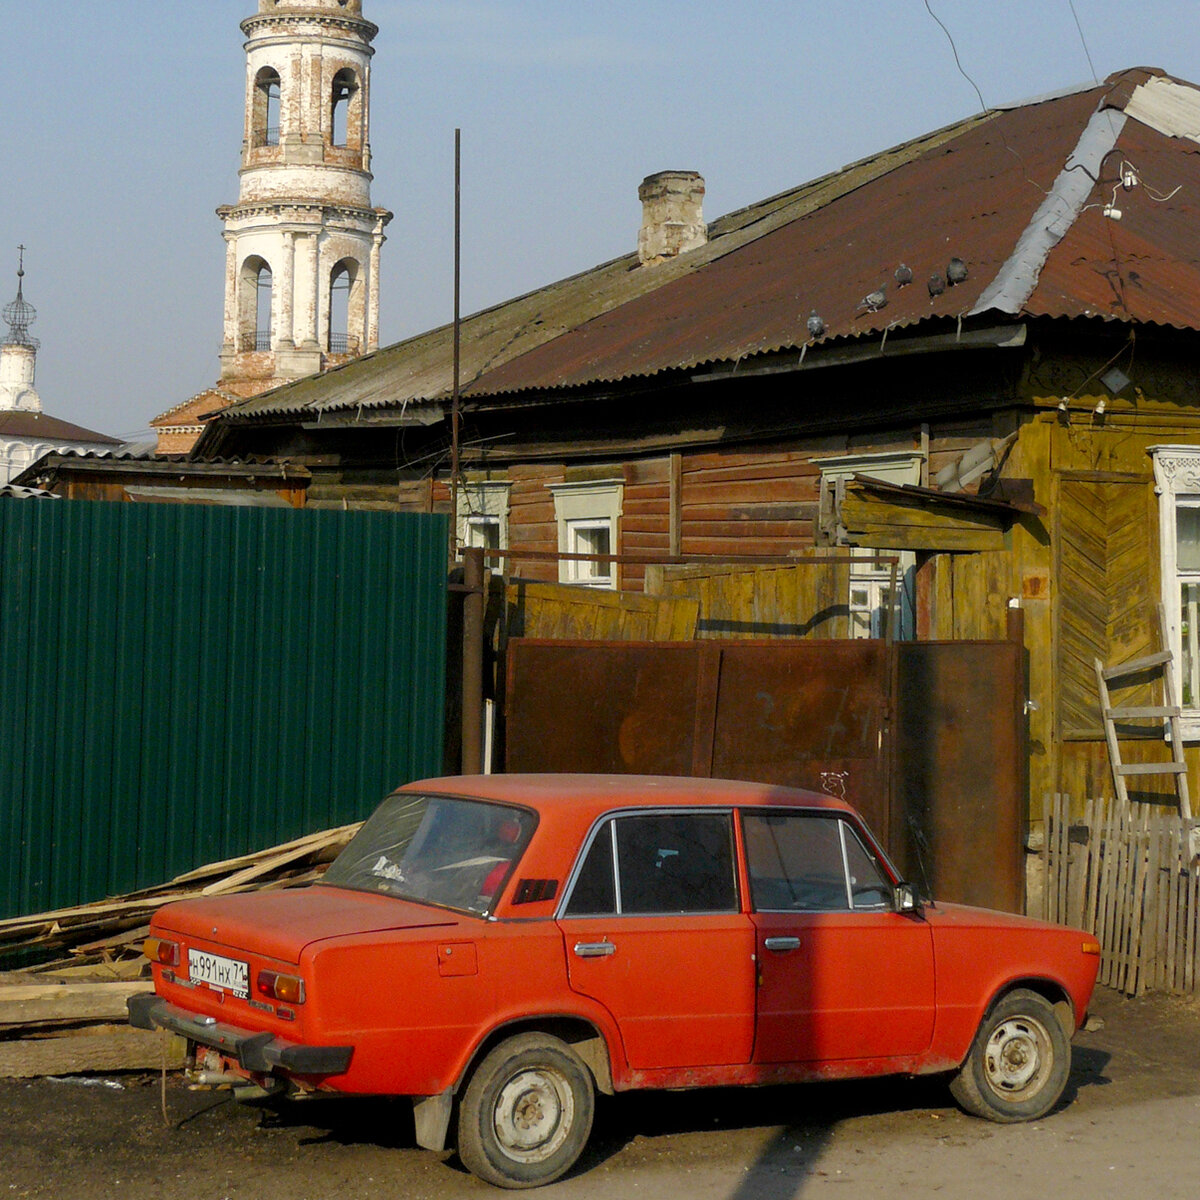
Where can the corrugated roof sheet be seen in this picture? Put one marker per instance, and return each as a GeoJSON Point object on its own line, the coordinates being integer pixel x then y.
{"type": "Point", "coordinates": [38, 425]}
{"type": "Point", "coordinates": [972, 190]}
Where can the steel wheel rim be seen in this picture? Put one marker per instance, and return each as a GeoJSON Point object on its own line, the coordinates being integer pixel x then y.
{"type": "Point", "coordinates": [1018, 1058]}
{"type": "Point", "coordinates": [534, 1112]}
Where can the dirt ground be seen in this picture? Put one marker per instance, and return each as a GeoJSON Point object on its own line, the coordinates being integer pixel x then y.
{"type": "Point", "coordinates": [1129, 1127]}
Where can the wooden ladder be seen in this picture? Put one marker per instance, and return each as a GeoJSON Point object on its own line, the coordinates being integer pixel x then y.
{"type": "Point", "coordinates": [1168, 713]}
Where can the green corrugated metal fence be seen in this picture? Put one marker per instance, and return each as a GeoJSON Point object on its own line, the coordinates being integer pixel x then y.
{"type": "Point", "coordinates": [181, 684]}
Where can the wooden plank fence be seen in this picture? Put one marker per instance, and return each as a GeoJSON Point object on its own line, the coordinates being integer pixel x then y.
{"type": "Point", "coordinates": [1130, 874]}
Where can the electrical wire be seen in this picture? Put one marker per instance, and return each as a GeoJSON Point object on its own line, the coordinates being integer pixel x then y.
{"type": "Point", "coordinates": [1087, 53]}
{"type": "Point", "coordinates": [983, 105]}
{"type": "Point", "coordinates": [957, 60]}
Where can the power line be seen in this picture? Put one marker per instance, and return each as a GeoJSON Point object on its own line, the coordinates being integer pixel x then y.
{"type": "Point", "coordinates": [954, 51]}
{"type": "Point", "coordinates": [1083, 40]}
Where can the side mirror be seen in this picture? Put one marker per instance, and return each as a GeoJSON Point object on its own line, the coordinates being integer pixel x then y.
{"type": "Point", "coordinates": [905, 898]}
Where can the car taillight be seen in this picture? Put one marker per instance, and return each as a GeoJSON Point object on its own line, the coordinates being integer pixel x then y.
{"type": "Point", "coordinates": [159, 950]}
{"type": "Point", "coordinates": [289, 988]}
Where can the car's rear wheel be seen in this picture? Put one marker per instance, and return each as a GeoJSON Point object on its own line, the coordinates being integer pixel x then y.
{"type": "Point", "coordinates": [1019, 1061]}
{"type": "Point", "coordinates": [527, 1112]}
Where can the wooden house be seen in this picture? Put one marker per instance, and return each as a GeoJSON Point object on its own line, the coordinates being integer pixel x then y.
{"type": "Point", "coordinates": [979, 351]}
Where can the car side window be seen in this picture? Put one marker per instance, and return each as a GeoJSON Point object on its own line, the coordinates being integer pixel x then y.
{"type": "Point", "coordinates": [594, 892]}
{"type": "Point", "coordinates": [676, 862]}
{"type": "Point", "coordinates": [869, 887]}
{"type": "Point", "coordinates": [663, 862]}
{"type": "Point", "coordinates": [804, 862]}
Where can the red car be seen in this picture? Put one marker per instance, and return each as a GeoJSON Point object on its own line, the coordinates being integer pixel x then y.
{"type": "Point", "coordinates": [499, 948]}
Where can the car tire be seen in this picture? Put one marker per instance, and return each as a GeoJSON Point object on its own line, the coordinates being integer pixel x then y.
{"type": "Point", "coordinates": [527, 1112]}
{"type": "Point", "coordinates": [1018, 1063]}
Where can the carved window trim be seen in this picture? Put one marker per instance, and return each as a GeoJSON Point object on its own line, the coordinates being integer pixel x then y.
{"type": "Point", "coordinates": [1177, 484]}
{"type": "Point", "coordinates": [483, 508]}
{"type": "Point", "coordinates": [582, 511]}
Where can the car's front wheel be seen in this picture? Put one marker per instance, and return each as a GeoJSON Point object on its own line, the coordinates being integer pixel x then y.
{"type": "Point", "coordinates": [1019, 1061]}
{"type": "Point", "coordinates": [527, 1112]}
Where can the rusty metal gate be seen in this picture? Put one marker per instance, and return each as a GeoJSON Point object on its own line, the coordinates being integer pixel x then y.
{"type": "Point", "coordinates": [926, 739]}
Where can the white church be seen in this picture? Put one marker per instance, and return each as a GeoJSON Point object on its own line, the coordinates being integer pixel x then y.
{"type": "Point", "coordinates": [26, 432]}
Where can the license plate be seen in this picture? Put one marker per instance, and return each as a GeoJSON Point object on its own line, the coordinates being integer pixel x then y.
{"type": "Point", "coordinates": [224, 974]}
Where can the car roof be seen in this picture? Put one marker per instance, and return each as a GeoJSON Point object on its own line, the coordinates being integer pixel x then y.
{"type": "Point", "coordinates": [598, 793]}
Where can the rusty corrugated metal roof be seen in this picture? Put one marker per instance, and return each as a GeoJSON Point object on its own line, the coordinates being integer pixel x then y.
{"type": "Point", "coordinates": [1018, 194]}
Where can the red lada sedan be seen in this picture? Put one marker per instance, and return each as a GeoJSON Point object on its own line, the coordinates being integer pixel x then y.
{"type": "Point", "coordinates": [500, 948]}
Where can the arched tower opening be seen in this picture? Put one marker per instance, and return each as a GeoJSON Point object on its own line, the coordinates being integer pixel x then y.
{"type": "Point", "coordinates": [345, 110]}
{"type": "Point", "coordinates": [255, 304]}
{"type": "Point", "coordinates": [347, 307]}
{"type": "Point", "coordinates": [265, 108]}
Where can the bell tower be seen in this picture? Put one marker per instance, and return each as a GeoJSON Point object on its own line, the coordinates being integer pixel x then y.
{"type": "Point", "coordinates": [303, 241]}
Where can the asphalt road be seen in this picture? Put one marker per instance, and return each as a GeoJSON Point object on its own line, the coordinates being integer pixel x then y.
{"type": "Point", "coordinates": [1131, 1128]}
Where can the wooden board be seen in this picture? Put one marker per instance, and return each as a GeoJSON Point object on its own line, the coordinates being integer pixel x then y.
{"type": "Point", "coordinates": [550, 610]}
{"type": "Point", "coordinates": [98, 1048]}
{"type": "Point", "coordinates": [32, 1004]}
{"type": "Point", "coordinates": [872, 520]}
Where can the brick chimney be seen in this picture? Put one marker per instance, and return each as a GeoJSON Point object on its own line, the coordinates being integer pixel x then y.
{"type": "Point", "coordinates": [672, 221]}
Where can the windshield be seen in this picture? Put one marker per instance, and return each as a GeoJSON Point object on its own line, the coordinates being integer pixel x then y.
{"type": "Point", "coordinates": [438, 849]}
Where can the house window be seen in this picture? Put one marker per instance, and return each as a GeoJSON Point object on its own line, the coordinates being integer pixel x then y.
{"type": "Point", "coordinates": [1177, 479]}
{"type": "Point", "coordinates": [482, 518]}
{"type": "Point", "coordinates": [870, 598]}
{"type": "Point", "coordinates": [588, 516]}
{"type": "Point", "coordinates": [589, 537]}
{"type": "Point", "coordinates": [870, 583]}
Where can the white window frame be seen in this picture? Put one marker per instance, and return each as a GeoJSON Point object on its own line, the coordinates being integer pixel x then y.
{"type": "Point", "coordinates": [482, 504]}
{"type": "Point", "coordinates": [578, 507]}
{"type": "Point", "coordinates": [891, 466]}
{"type": "Point", "coordinates": [1177, 484]}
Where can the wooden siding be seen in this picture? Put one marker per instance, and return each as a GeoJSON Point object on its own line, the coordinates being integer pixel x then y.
{"type": "Point", "coordinates": [748, 502]}
{"type": "Point", "coordinates": [555, 610]}
{"type": "Point", "coordinates": [1105, 589]}
{"type": "Point", "coordinates": [967, 595]}
{"type": "Point", "coordinates": [806, 600]}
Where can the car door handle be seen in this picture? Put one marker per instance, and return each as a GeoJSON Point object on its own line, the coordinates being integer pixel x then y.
{"type": "Point", "coordinates": [594, 949]}
{"type": "Point", "coordinates": [782, 944]}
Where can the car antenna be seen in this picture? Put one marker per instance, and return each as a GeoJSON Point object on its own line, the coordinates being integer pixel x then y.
{"type": "Point", "coordinates": [919, 842]}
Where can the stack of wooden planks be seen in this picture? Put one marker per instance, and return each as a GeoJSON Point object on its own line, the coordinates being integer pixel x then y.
{"type": "Point", "coordinates": [66, 1015]}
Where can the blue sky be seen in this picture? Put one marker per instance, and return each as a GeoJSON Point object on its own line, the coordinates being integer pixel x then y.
{"type": "Point", "coordinates": [123, 124]}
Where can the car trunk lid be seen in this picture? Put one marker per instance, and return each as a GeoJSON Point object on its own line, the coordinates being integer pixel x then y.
{"type": "Point", "coordinates": [279, 924]}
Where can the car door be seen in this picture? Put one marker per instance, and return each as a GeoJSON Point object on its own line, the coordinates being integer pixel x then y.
{"type": "Point", "coordinates": [653, 930]}
{"type": "Point", "coordinates": [841, 975]}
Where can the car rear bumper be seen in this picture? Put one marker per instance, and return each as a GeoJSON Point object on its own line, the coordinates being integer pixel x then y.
{"type": "Point", "coordinates": [260, 1053]}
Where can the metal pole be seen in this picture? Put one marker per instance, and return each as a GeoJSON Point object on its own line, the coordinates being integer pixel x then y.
{"type": "Point", "coordinates": [454, 411]}
{"type": "Point", "coordinates": [472, 661]}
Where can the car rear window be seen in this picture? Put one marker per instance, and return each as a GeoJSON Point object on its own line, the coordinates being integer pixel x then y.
{"type": "Point", "coordinates": [445, 850]}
